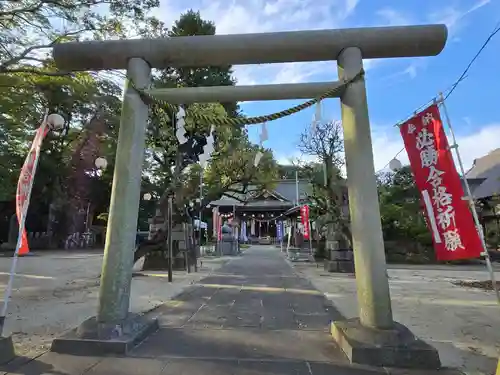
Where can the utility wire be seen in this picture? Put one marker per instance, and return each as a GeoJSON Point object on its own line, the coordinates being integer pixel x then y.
{"type": "Point", "coordinates": [462, 77]}
{"type": "Point", "coordinates": [453, 86]}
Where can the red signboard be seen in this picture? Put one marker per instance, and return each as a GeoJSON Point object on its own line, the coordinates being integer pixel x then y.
{"type": "Point", "coordinates": [448, 215]}
{"type": "Point", "coordinates": [304, 214]}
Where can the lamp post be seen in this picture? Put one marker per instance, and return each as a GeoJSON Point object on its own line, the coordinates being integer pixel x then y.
{"type": "Point", "coordinates": [100, 163]}
{"type": "Point", "coordinates": [199, 201]}
{"type": "Point", "coordinates": [191, 237]}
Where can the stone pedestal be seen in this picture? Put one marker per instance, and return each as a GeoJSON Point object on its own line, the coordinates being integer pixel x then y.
{"type": "Point", "coordinates": [341, 260]}
{"type": "Point", "coordinates": [7, 353]}
{"type": "Point", "coordinates": [92, 338]}
{"type": "Point", "coordinates": [397, 347]}
{"type": "Point", "coordinates": [228, 245]}
{"type": "Point", "coordinates": [179, 264]}
{"type": "Point", "coordinates": [183, 242]}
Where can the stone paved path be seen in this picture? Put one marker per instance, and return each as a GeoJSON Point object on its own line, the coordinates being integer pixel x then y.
{"type": "Point", "coordinates": [254, 316]}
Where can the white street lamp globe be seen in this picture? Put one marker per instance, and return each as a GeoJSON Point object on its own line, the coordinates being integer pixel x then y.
{"type": "Point", "coordinates": [55, 121]}
{"type": "Point", "coordinates": [395, 165]}
{"type": "Point", "coordinates": [147, 196]}
{"type": "Point", "coordinates": [101, 163]}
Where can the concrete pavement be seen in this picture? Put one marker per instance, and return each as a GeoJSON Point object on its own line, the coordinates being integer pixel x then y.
{"type": "Point", "coordinates": [462, 323]}
{"type": "Point", "coordinates": [255, 315]}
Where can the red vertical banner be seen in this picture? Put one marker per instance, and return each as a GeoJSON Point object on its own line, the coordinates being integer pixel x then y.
{"type": "Point", "coordinates": [448, 215]}
{"type": "Point", "coordinates": [25, 184]}
{"type": "Point", "coordinates": [304, 214]}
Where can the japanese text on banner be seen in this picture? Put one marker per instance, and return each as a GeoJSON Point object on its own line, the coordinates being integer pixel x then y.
{"type": "Point", "coordinates": [448, 215]}
{"type": "Point", "coordinates": [304, 213]}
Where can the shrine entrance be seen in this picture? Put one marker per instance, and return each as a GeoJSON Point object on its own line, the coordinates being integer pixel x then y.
{"type": "Point", "coordinates": [349, 47]}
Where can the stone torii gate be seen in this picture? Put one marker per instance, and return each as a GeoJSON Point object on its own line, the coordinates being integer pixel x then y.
{"type": "Point", "coordinates": [374, 338]}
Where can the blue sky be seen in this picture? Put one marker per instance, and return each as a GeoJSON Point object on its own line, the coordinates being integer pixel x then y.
{"type": "Point", "coordinates": [396, 87]}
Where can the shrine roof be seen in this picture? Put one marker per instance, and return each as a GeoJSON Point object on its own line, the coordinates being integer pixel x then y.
{"type": "Point", "coordinates": [282, 195]}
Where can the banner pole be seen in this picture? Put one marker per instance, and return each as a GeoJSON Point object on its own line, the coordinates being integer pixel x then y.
{"type": "Point", "coordinates": [22, 226]}
{"type": "Point", "coordinates": [471, 201]}
{"type": "Point", "coordinates": [310, 237]}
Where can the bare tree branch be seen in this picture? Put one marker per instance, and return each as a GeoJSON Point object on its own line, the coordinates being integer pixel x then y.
{"type": "Point", "coordinates": [326, 143]}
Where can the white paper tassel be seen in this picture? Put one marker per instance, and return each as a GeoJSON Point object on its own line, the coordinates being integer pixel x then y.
{"type": "Point", "coordinates": [264, 136]}
{"type": "Point", "coordinates": [207, 149]}
{"type": "Point", "coordinates": [317, 116]}
{"type": "Point", "coordinates": [258, 156]}
{"type": "Point", "coordinates": [180, 130]}
{"type": "Point", "coordinates": [203, 159]}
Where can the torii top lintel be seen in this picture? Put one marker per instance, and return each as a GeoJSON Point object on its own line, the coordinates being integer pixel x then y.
{"type": "Point", "coordinates": [239, 49]}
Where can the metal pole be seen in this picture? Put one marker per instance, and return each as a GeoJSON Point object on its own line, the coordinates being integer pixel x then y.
{"type": "Point", "coordinates": [297, 187]}
{"type": "Point", "coordinates": [170, 241]}
{"type": "Point", "coordinates": [471, 202]}
{"type": "Point", "coordinates": [199, 226]}
{"type": "Point", "coordinates": [114, 293]}
{"type": "Point", "coordinates": [310, 237]}
{"type": "Point", "coordinates": [374, 299]}
{"type": "Point", "coordinates": [87, 218]}
{"type": "Point", "coordinates": [219, 230]}
{"type": "Point", "coordinates": [187, 238]}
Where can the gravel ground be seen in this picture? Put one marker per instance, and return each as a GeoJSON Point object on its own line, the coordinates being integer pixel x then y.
{"type": "Point", "coordinates": [56, 291]}
{"type": "Point", "coordinates": [462, 323]}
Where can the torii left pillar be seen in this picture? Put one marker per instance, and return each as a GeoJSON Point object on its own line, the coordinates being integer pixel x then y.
{"type": "Point", "coordinates": [113, 322]}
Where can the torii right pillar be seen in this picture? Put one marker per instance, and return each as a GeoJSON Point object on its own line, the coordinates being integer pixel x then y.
{"type": "Point", "coordinates": [373, 338]}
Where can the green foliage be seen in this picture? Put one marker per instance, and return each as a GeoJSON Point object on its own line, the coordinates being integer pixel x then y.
{"type": "Point", "coordinates": [289, 172]}
{"type": "Point", "coordinates": [30, 85]}
{"type": "Point", "coordinates": [403, 222]}
{"type": "Point", "coordinates": [29, 28]}
{"type": "Point", "coordinates": [232, 161]}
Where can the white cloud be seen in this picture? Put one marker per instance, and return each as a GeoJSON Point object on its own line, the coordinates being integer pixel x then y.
{"type": "Point", "coordinates": [393, 17]}
{"type": "Point", "coordinates": [257, 16]}
{"type": "Point", "coordinates": [294, 158]}
{"type": "Point", "coordinates": [388, 143]}
{"type": "Point", "coordinates": [453, 17]}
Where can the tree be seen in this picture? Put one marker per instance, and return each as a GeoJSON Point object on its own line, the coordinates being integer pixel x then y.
{"type": "Point", "coordinates": [29, 30]}
{"type": "Point", "coordinates": [31, 84]}
{"type": "Point", "coordinates": [324, 142]}
{"type": "Point", "coordinates": [78, 99]}
{"type": "Point", "coordinates": [231, 167]}
{"type": "Point", "coordinates": [403, 223]}
{"type": "Point", "coordinates": [288, 171]}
